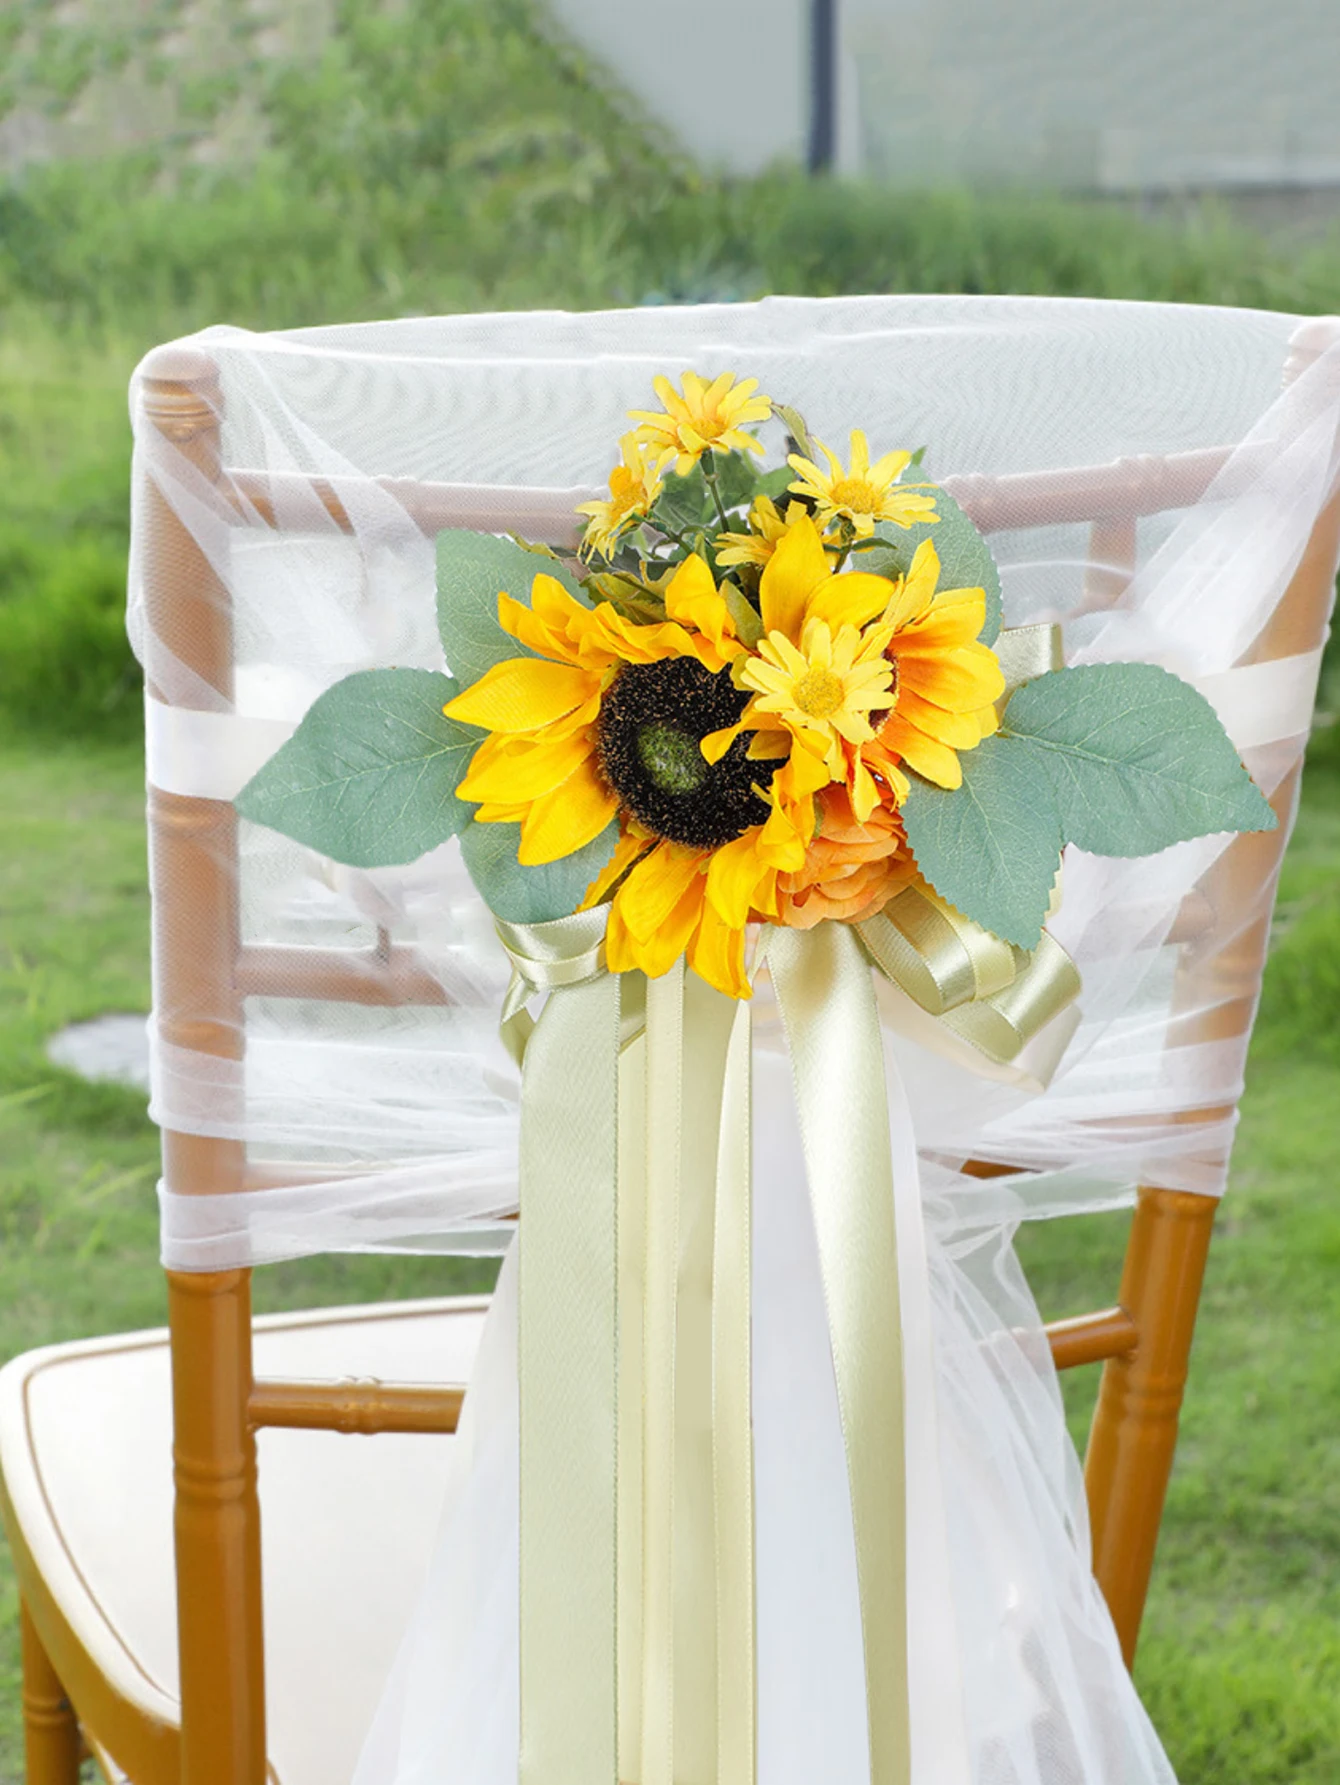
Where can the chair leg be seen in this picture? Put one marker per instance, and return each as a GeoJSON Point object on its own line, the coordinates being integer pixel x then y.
{"type": "Point", "coordinates": [52, 1748]}
{"type": "Point", "coordinates": [1134, 1429]}
{"type": "Point", "coordinates": [217, 1529]}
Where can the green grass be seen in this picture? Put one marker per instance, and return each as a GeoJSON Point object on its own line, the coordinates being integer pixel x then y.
{"type": "Point", "coordinates": [438, 157]}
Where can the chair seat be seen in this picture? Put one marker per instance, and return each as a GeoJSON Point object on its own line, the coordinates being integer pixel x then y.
{"type": "Point", "coordinates": [348, 1523]}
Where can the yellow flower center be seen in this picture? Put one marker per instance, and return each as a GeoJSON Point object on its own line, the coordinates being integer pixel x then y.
{"type": "Point", "coordinates": [819, 693]}
{"type": "Point", "coordinates": [855, 493]}
{"type": "Point", "coordinates": [626, 494]}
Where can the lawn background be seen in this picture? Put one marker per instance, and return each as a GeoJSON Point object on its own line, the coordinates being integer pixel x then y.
{"type": "Point", "coordinates": [448, 157]}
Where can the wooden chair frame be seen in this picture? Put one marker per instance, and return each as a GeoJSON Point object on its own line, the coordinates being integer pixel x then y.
{"type": "Point", "coordinates": [204, 971]}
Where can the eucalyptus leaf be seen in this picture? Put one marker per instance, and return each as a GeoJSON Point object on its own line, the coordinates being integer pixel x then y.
{"type": "Point", "coordinates": [991, 847]}
{"type": "Point", "coordinates": [1135, 757]}
{"type": "Point", "coordinates": [965, 559]}
{"type": "Point", "coordinates": [532, 894]}
{"type": "Point", "coordinates": [370, 776]}
{"type": "Point", "coordinates": [473, 569]}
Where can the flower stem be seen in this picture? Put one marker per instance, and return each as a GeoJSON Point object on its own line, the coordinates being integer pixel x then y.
{"type": "Point", "coordinates": [711, 477]}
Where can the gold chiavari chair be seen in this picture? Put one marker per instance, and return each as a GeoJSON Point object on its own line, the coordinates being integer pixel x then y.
{"type": "Point", "coordinates": [154, 1632]}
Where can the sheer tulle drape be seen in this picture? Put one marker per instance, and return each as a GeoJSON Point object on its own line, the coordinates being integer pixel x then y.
{"type": "Point", "coordinates": [380, 1128]}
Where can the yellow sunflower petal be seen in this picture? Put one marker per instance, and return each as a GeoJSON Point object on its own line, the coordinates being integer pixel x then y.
{"type": "Point", "coordinates": [626, 851]}
{"type": "Point", "coordinates": [790, 577]}
{"type": "Point", "coordinates": [521, 694]}
{"type": "Point", "coordinates": [851, 600]}
{"type": "Point", "coordinates": [961, 680]}
{"type": "Point", "coordinates": [864, 792]}
{"type": "Point", "coordinates": [692, 599]}
{"type": "Point", "coordinates": [522, 769]}
{"type": "Point", "coordinates": [715, 745]}
{"type": "Point", "coordinates": [936, 761]}
{"type": "Point", "coordinates": [529, 629]}
{"type": "Point", "coordinates": [656, 952]}
{"type": "Point", "coordinates": [954, 618]}
{"type": "Point", "coordinates": [769, 746]}
{"type": "Point", "coordinates": [716, 954]}
{"type": "Point", "coordinates": [733, 876]}
{"type": "Point", "coordinates": [656, 886]}
{"type": "Point", "coordinates": [915, 592]}
{"type": "Point", "coordinates": [880, 762]}
{"type": "Point", "coordinates": [567, 818]}
{"type": "Point", "coordinates": [959, 730]}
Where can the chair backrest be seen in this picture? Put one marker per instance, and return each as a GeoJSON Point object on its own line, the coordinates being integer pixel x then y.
{"type": "Point", "coordinates": [204, 970]}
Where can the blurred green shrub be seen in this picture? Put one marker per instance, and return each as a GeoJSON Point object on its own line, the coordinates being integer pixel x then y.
{"type": "Point", "coordinates": [440, 157]}
{"type": "Point", "coordinates": [65, 667]}
{"type": "Point", "coordinates": [1300, 999]}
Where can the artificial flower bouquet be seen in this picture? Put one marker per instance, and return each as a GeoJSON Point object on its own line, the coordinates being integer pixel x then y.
{"type": "Point", "coordinates": [752, 696]}
{"type": "Point", "coordinates": [778, 698]}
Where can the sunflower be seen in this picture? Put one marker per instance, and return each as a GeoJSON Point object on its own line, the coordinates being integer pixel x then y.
{"type": "Point", "coordinates": [864, 494]}
{"type": "Point", "coordinates": [946, 681]}
{"type": "Point", "coordinates": [706, 418]}
{"type": "Point", "coordinates": [861, 674]}
{"type": "Point", "coordinates": [634, 486]}
{"type": "Point", "coordinates": [607, 717]}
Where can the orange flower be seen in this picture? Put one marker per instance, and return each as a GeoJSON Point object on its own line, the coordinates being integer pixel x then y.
{"type": "Point", "coordinates": [851, 870]}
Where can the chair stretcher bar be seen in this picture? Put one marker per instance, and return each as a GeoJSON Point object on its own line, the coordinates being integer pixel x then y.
{"type": "Point", "coordinates": [1123, 490]}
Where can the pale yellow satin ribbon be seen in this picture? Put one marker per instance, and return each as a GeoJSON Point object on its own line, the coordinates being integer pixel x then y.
{"type": "Point", "coordinates": [637, 1594]}
{"type": "Point", "coordinates": [645, 1670]}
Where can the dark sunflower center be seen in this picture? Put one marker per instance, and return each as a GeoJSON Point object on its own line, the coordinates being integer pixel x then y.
{"type": "Point", "coordinates": [652, 723]}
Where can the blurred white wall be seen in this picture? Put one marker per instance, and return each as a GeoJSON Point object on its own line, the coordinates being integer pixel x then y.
{"type": "Point", "coordinates": [729, 77]}
{"type": "Point", "coordinates": [1107, 95]}
{"type": "Point", "coordinates": [1112, 95]}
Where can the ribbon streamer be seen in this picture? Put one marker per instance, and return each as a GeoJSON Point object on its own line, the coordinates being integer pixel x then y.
{"type": "Point", "coordinates": [637, 1544]}
{"type": "Point", "coordinates": [637, 1595]}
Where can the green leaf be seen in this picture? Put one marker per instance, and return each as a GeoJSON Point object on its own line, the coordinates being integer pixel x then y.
{"type": "Point", "coordinates": [684, 503]}
{"type": "Point", "coordinates": [965, 560]}
{"type": "Point", "coordinates": [1135, 757]}
{"type": "Point", "coordinates": [737, 478]}
{"type": "Point", "coordinates": [748, 625]}
{"type": "Point", "coordinates": [530, 895]}
{"type": "Point", "coordinates": [370, 775]}
{"type": "Point", "coordinates": [992, 846]}
{"type": "Point", "coordinates": [774, 484]}
{"type": "Point", "coordinates": [796, 427]}
{"type": "Point", "coordinates": [473, 569]}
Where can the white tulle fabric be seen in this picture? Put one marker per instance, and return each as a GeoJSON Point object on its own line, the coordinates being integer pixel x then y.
{"type": "Point", "coordinates": [395, 1128]}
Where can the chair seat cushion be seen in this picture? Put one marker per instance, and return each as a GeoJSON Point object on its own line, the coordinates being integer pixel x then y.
{"type": "Point", "coordinates": [347, 1522]}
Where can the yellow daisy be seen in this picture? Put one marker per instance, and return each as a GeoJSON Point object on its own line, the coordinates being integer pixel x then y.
{"type": "Point", "coordinates": [826, 687]}
{"type": "Point", "coordinates": [859, 723]}
{"type": "Point", "coordinates": [864, 494]}
{"type": "Point", "coordinates": [766, 529]}
{"type": "Point", "coordinates": [814, 679]}
{"type": "Point", "coordinates": [634, 486]}
{"type": "Point", "coordinates": [707, 417]}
